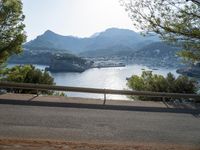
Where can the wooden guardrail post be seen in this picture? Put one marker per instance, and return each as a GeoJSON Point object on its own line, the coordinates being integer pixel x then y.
{"type": "Point", "coordinates": [104, 101]}
{"type": "Point", "coordinates": [37, 92]}
{"type": "Point", "coordinates": [163, 99]}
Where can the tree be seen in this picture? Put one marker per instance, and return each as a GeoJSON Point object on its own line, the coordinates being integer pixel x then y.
{"type": "Point", "coordinates": [176, 21]}
{"type": "Point", "coordinates": [26, 74]}
{"type": "Point", "coordinates": [12, 33]}
{"type": "Point", "coordinates": [158, 83]}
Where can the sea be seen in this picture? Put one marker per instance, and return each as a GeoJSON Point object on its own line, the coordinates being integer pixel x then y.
{"type": "Point", "coordinates": [104, 78]}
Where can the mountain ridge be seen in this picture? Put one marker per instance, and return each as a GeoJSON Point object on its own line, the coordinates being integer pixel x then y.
{"type": "Point", "coordinates": [111, 37]}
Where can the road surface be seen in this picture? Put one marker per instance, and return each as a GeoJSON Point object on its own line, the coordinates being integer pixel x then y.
{"type": "Point", "coordinates": [97, 123]}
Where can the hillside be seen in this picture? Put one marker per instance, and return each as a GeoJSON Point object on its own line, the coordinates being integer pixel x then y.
{"type": "Point", "coordinates": [156, 49]}
{"type": "Point", "coordinates": [146, 50]}
{"type": "Point", "coordinates": [57, 62]}
{"type": "Point", "coordinates": [117, 50]}
{"type": "Point", "coordinates": [157, 54]}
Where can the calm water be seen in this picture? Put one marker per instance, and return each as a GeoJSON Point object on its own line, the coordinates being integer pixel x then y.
{"type": "Point", "coordinates": [111, 78]}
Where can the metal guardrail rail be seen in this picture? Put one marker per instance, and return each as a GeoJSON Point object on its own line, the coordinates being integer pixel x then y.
{"type": "Point", "coordinates": [45, 87]}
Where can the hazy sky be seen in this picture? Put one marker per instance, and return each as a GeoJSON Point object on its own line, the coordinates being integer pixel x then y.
{"type": "Point", "coordinates": [79, 18]}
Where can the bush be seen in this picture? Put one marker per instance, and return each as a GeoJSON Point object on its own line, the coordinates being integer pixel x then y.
{"type": "Point", "coordinates": [159, 83]}
{"type": "Point", "coordinates": [27, 74]}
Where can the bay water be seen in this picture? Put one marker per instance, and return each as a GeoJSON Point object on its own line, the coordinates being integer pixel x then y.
{"type": "Point", "coordinates": [104, 78]}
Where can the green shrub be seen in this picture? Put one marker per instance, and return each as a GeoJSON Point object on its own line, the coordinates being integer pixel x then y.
{"type": "Point", "coordinates": [158, 83]}
{"type": "Point", "coordinates": [59, 94]}
{"type": "Point", "coordinates": [27, 74]}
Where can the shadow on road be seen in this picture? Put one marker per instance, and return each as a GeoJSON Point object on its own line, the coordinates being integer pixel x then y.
{"type": "Point", "coordinates": [194, 111]}
{"type": "Point", "coordinates": [33, 98]}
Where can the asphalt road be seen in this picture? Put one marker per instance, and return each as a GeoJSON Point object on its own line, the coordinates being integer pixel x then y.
{"type": "Point", "coordinates": [81, 123]}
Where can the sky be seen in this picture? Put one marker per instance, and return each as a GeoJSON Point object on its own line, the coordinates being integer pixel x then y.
{"type": "Point", "coordinates": [80, 18]}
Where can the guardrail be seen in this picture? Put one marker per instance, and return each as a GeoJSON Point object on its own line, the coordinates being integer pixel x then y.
{"type": "Point", "coordinates": [45, 87]}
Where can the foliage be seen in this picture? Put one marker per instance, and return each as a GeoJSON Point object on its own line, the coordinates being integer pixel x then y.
{"type": "Point", "coordinates": [59, 94]}
{"type": "Point", "coordinates": [11, 34]}
{"type": "Point", "coordinates": [176, 21]}
{"type": "Point", "coordinates": [27, 74]}
{"type": "Point", "coordinates": [159, 83]}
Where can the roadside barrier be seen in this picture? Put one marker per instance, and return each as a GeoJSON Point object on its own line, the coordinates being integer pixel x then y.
{"type": "Point", "coordinates": [44, 87]}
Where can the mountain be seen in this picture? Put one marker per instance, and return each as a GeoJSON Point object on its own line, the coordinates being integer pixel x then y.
{"type": "Point", "coordinates": [157, 49]}
{"type": "Point", "coordinates": [110, 38]}
{"type": "Point", "coordinates": [157, 54]}
{"type": "Point", "coordinates": [127, 45]}
{"type": "Point", "coordinates": [113, 37]}
{"type": "Point", "coordinates": [117, 50]}
{"type": "Point", "coordinates": [52, 41]}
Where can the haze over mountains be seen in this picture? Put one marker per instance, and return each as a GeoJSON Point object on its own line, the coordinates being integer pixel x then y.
{"type": "Point", "coordinates": [112, 39]}
{"type": "Point", "coordinates": [112, 47]}
{"type": "Point", "coordinates": [121, 45]}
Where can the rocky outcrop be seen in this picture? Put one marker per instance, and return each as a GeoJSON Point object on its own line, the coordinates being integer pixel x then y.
{"type": "Point", "coordinates": [68, 63]}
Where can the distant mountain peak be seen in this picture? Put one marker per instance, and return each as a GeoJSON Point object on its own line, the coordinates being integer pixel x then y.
{"type": "Point", "coordinates": [118, 32]}
{"type": "Point", "coordinates": [111, 38]}
{"type": "Point", "coordinates": [117, 29]}
{"type": "Point", "coordinates": [95, 35]}
{"type": "Point", "coordinates": [49, 32]}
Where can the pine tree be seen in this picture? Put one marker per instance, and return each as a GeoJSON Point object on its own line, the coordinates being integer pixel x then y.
{"type": "Point", "coordinates": [12, 34]}
{"type": "Point", "coordinates": [176, 21]}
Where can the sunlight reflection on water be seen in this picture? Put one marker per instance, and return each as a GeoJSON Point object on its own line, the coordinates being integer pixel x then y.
{"type": "Point", "coordinates": [110, 78]}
